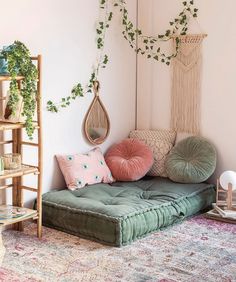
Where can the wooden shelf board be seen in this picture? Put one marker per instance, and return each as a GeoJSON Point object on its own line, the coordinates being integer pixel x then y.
{"type": "Point", "coordinates": [215, 216]}
{"type": "Point", "coordinates": [9, 126]}
{"type": "Point", "coordinates": [16, 173]}
{"type": "Point", "coordinates": [29, 214]}
{"type": "Point", "coordinates": [8, 78]}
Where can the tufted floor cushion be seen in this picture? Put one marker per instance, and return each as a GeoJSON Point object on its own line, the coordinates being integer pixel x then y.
{"type": "Point", "coordinates": [122, 212]}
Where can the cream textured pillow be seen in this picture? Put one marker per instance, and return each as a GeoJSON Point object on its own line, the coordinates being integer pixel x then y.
{"type": "Point", "coordinates": [161, 142]}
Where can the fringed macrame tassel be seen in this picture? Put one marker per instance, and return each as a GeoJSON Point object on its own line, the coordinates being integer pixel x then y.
{"type": "Point", "coordinates": [185, 100]}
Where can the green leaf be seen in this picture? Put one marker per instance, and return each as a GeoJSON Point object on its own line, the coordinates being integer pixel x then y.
{"type": "Point", "coordinates": [110, 16]}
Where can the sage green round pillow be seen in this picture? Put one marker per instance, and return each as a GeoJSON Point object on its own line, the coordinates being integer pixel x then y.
{"type": "Point", "coordinates": [192, 160]}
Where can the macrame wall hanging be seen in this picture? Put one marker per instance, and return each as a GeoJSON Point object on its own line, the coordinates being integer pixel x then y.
{"type": "Point", "coordinates": [185, 100]}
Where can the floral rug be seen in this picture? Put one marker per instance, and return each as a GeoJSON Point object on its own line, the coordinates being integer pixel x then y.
{"type": "Point", "coordinates": [195, 250]}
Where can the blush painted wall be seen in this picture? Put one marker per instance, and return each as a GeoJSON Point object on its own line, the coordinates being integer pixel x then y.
{"type": "Point", "coordinates": [218, 97]}
{"type": "Point", "coordinates": [63, 32]}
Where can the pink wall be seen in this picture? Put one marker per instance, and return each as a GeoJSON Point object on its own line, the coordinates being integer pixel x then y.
{"type": "Point", "coordinates": [217, 19]}
{"type": "Point", "coordinates": [64, 33]}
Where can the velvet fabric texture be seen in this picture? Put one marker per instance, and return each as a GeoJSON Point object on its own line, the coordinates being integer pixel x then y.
{"type": "Point", "coordinates": [122, 212]}
{"type": "Point", "coordinates": [192, 160]}
{"type": "Point", "coordinates": [84, 169]}
{"type": "Point", "coordinates": [129, 160]}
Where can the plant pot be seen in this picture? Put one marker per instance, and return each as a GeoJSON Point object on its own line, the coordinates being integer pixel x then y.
{"type": "Point", "coordinates": [3, 66]}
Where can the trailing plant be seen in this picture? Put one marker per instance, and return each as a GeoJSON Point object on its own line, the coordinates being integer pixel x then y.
{"type": "Point", "coordinates": [19, 62]}
{"type": "Point", "coordinates": [78, 90]}
{"type": "Point", "coordinates": [145, 45]}
{"type": "Point", "coordinates": [150, 45]}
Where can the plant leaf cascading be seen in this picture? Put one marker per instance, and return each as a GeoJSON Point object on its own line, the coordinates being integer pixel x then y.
{"type": "Point", "coordinates": [19, 63]}
{"type": "Point", "coordinates": [148, 46]}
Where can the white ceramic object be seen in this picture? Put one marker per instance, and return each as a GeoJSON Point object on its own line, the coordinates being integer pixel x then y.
{"type": "Point", "coordinates": [226, 178]}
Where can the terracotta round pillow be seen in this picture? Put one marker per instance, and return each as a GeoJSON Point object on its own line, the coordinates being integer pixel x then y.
{"type": "Point", "coordinates": [129, 160]}
{"type": "Point", "coordinates": [192, 160]}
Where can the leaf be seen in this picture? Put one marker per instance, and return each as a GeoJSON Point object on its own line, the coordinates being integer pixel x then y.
{"type": "Point", "coordinates": [110, 16]}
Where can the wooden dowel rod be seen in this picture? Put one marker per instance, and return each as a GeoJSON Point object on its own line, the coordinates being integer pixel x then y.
{"type": "Point", "coordinates": [203, 35]}
{"type": "Point", "coordinates": [6, 186]}
{"type": "Point", "coordinates": [29, 143]}
{"type": "Point", "coordinates": [6, 142]}
{"type": "Point", "coordinates": [40, 149]}
{"type": "Point", "coordinates": [33, 166]}
{"type": "Point", "coordinates": [29, 188]}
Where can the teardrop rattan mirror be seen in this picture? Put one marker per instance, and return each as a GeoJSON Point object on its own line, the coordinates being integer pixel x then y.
{"type": "Point", "coordinates": [96, 123]}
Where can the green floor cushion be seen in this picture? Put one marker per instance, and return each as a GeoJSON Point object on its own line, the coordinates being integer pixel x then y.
{"type": "Point", "coordinates": [192, 160]}
{"type": "Point", "coordinates": [122, 212]}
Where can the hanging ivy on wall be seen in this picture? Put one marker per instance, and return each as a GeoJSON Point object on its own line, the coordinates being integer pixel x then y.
{"type": "Point", "coordinates": [148, 46]}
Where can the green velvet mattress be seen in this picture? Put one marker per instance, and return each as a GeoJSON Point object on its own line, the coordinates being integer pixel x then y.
{"type": "Point", "coordinates": [123, 212]}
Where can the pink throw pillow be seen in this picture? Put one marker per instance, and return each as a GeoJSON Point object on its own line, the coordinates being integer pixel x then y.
{"type": "Point", "coordinates": [129, 160]}
{"type": "Point", "coordinates": [84, 169]}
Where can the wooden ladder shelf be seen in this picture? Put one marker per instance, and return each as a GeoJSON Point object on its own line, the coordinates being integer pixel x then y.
{"type": "Point", "coordinates": [18, 146]}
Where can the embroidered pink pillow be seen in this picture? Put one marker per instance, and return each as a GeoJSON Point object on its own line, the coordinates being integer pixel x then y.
{"type": "Point", "coordinates": [84, 169]}
{"type": "Point", "coordinates": [129, 160]}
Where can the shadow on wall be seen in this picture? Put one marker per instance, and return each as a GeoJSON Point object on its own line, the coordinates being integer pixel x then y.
{"type": "Point", "coordinates": [57, 178]}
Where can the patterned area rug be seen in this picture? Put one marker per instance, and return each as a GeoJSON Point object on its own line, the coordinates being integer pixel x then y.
{"type": "Point", "coordinates": [195, 250]}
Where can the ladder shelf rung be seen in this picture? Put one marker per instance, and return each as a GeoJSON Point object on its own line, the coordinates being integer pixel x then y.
{"type": "Point", "coordinates": [6, 186]}
{"type": "Point", "coordinates": [222, 191]}
{"type": "Point", "coordinates": [6, 142]}
{"type": "Point", "coordinates": [31, 166]}
{"type": "Point", "coordinates": [28, 188]}
{"type": "Point", "coordinates": [30, 143]}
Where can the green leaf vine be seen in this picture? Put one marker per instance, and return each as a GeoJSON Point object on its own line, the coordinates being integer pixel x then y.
{"type": "Point", "coordinates": [150, 45]}
{"type": "Point", "coordinates": [19, 62]}
{"type": "Point", "coordinates": [142, 44]}
{"type": "Point", "coordinates": [78, 90]}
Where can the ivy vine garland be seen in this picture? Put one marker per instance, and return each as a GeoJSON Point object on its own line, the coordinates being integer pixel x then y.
{"type": "Point", "coordinates": [19, 62]}
{"type": "Point", "coordinates": [142, 44]}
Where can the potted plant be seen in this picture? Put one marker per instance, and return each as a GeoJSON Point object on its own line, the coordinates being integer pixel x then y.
{"type": "Point", "coordinates": [15, 61]}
